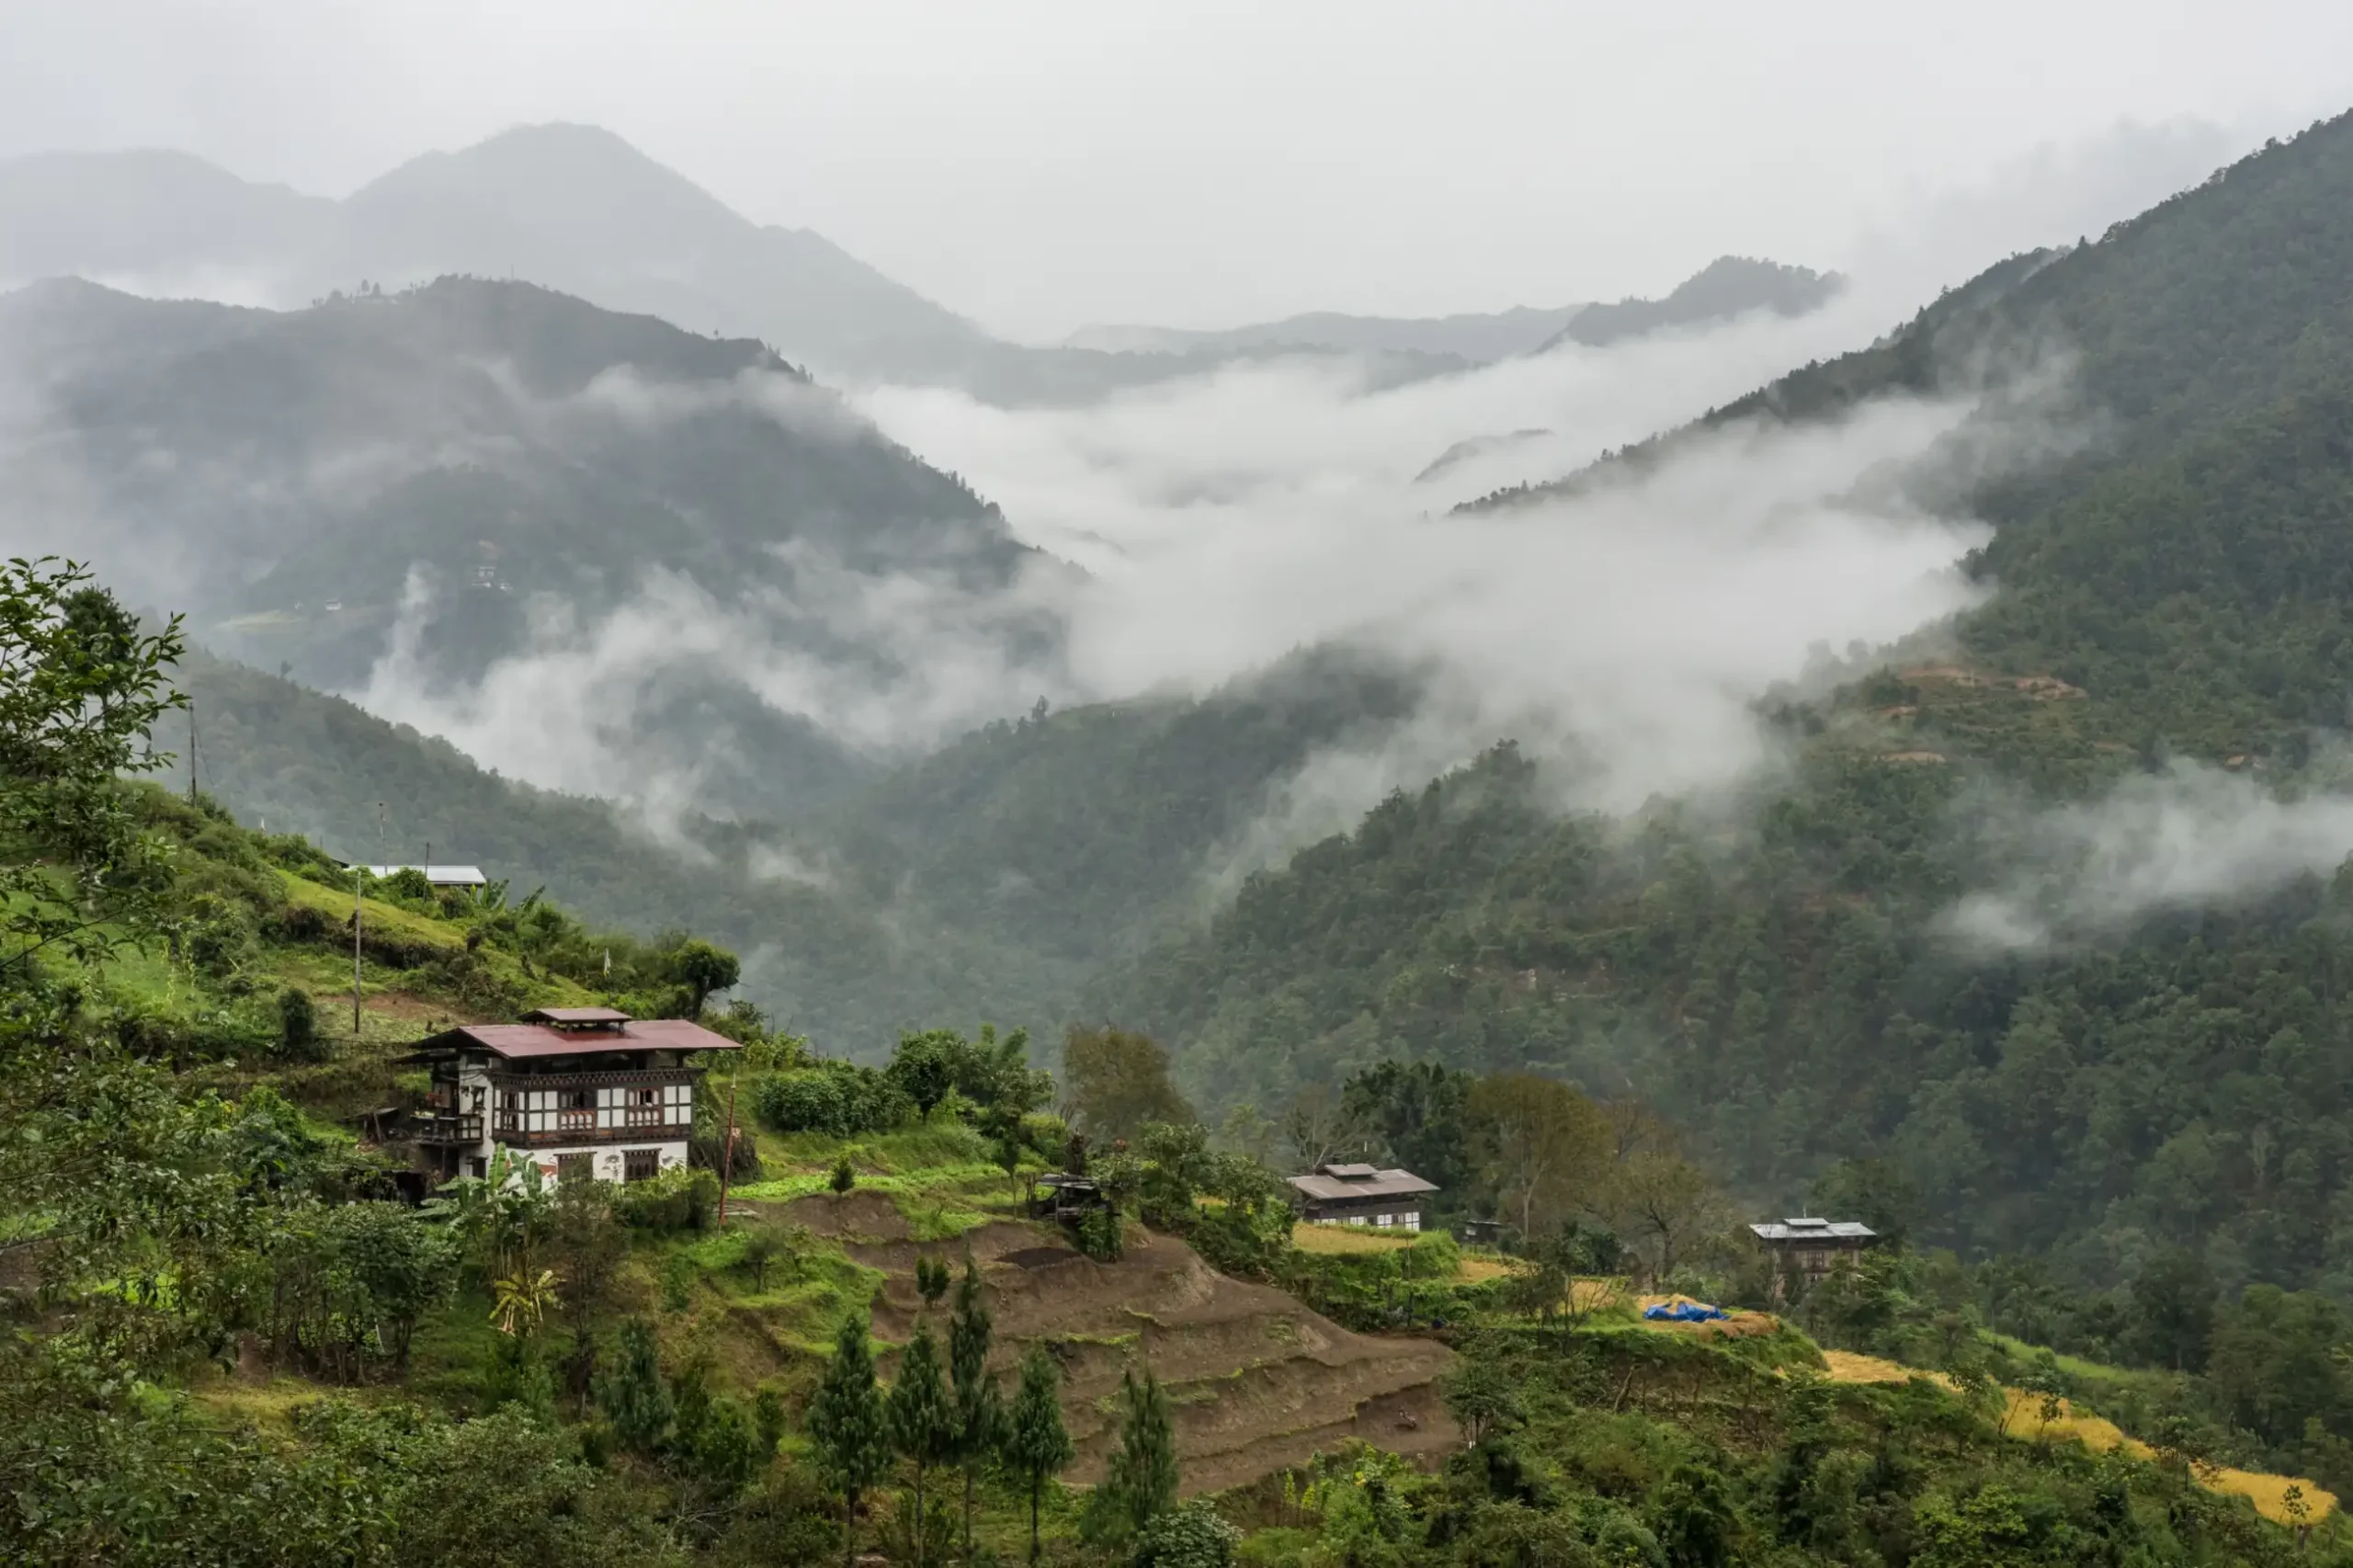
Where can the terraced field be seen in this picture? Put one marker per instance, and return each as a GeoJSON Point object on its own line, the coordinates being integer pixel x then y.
{"type": "Point", "coordinates": [1258, 1382]}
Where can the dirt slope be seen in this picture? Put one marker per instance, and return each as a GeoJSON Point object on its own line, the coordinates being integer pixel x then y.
{"type": "Point", "coordinates": [1258, 1381]}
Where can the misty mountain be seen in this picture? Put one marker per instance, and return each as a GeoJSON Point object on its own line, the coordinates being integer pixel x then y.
{"type": "Point", "coordinates": [1727, 286]}
{"type": "Point", "coordinates": [1476, 337]}
{"type": "Point", "coordinates": [2043, 914]}
{"type": "Point", "coordinates": [573, 208]}
{"type": "Point", "coordinates": [1476, 446]}
{"type": "Point", "coordinates": [462, 472]}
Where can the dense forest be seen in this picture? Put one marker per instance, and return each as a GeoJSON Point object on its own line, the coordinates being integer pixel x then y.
{"type": "Point", "coordinates": [2167, 614]}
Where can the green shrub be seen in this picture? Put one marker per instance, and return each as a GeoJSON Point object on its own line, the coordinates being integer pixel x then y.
{"type": "Point", "coordinates": [836, 1098]}
{"type": "Point", "coordinates": [1098, 1234]}
{"type": "Point", "coordinates": [298, 1027]}
{"type": "Point", "coordinates": [677, 1199]}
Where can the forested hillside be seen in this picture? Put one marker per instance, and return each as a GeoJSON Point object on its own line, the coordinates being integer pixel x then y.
{"type": "Point", "coordinates": [851, 974]}
{"type": "Point", "coordinates": [486, 434]}
{"type": "Point", "coordinates": [2168, 592]}
{"type": "Point", "coordinates": [241, 1335]}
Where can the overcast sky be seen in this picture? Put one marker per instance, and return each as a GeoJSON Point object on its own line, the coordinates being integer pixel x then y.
{"type": "Point", "coordinates": [1039, 165]}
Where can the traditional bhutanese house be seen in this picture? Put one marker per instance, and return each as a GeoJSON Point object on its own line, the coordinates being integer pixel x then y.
{"type": "Point", "coordinates": [1361, 1195]}
{"type": "Point", "coordinates": [1811, 1247]}
{"type": "Point", "coordinates": [586, 1092]}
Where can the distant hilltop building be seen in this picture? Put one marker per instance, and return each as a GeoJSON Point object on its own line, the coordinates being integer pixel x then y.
{"type": "Point", "coordinates": [1361, 1195]}
{"type": "Point", "coordinates": [440, 876]}
{"type": "Point", "coordinates": [586, 1093]}
{"type": "Point", "coordinates": [1811, 1247]}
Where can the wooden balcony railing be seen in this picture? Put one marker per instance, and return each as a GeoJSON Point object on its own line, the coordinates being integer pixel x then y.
{"type": "Point", "coordinates": [448, 1127]}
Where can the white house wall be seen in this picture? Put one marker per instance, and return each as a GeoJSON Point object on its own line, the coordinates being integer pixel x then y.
{"type": "Point", "coordinates": [604, 1158]}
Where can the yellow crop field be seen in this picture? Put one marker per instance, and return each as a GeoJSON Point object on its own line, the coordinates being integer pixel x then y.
{"type": "Point", "coordinates": [1350, 1238]}
{"type": "Point", "coordinates": [2268, 1491]}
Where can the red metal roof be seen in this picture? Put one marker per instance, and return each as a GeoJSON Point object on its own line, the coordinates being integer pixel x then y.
{"type": "Point", "coordinates": [522, 1041]}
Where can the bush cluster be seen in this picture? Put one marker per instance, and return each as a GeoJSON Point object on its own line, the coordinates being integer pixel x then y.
{"type": "Point", "coordinates": [677, 1199]}
{"type": "Point", "coordinates": [836, 1098]}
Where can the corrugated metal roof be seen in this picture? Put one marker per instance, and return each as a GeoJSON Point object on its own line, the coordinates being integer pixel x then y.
{"type": "Point", "coordinates": [1812, 1230]}
{"type": "Point", "coordinates": [518, 1042]}
{"type": "Point", "coordinates": [1381, 1184]}
{"type": "Point", "coordinates": [440, 876]}
{"type": "Point", "coordinates": [576, 1015]}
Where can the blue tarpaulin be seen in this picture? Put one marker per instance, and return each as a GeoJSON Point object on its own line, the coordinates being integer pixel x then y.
{"type": "Point", "coordinates": [1684, 1311]}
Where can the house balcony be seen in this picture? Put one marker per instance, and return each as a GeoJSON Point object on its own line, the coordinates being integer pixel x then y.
{"type": "Point", "coordinates": [447, 1127]}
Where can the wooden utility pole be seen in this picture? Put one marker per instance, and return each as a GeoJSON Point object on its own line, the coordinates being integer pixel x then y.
{"type": "Point", "coordinates": [358, 877]}
{"type": "Point", "coordinates": [191, 751]}
{"type": "Point", "coordinates": [726, 1152]}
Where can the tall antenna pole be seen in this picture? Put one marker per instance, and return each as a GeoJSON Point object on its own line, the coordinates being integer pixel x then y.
{"type": "Point", "coordinates": [191, 751]}
{"type": "Point", "coordinates": [359, 874]}
{"type": "Point", "coordinates": [727, 1151]}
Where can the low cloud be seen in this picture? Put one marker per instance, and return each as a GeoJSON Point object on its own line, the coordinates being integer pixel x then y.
{"type": "Point", "coordinates": [2191, 837]}
{"type": "Point", "coordinates": [1227, 521]}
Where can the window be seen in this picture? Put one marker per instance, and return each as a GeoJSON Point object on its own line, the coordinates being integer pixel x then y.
{"type": "Point", "coordinates": [1381, 1220]}
{"type": "Point", "coordinates": [575, 1110]}
{"type": "Point", "coordinates": [477, 1166]}
{"type": "Point", "coordinates": [640, 1165]}
{"type": "Point", "coordinates": [570, 1168]}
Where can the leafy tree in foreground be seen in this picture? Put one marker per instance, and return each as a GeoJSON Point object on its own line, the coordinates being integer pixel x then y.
{"type": "Point", "coordinates": [702, 968]}
{"type": "Point", "coordinates": [80, 687]}
{"type": "Point", "coordinates": [850, 1432]}
{"type": "Point", "coordinates": [1037, 1445]}
{"type": "Point", "coordinates": [1114, 1082]}
{"type": "Point", "coordinates": [1540, 1145]}
{"type": "Point", "coordinates": [1478, 1392]}
{"type": "Point", "coordinates": [1193, 1534]}
{"type": "Point", "coordinates": [923, 1422]}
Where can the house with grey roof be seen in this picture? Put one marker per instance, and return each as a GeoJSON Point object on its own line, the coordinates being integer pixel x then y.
{"type": "Point", "coordinates": [1811, 1248]}
{"type": "Point", "coordinates": [1360, 1195]}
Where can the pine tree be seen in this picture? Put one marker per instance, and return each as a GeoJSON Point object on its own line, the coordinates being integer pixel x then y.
{"type": "Point", "coordinates": [848, 1432]}
{"type": "Point", "coordinates": [1037, 1447]}
{"type": "Point", "coordinates": [923, 1422]}
{"type": "Point", "coordinates": [1141, 1481]}
{"type": "Point", "coordinates": [634, 1399]}
{"type": "Point", "coordinates": [980, 1409]}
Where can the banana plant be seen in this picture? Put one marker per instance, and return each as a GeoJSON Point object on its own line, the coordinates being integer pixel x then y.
{"type": "Point", "coordinates": [521, 1299]}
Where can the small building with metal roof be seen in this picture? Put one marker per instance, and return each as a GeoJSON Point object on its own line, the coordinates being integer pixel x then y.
{"type": "Point", "coordinates": [1335, 1194]}
{"type": "Point", "coordinates": [1811, 1247]}
{"type": "Point", "coordinates": [438, 876]}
